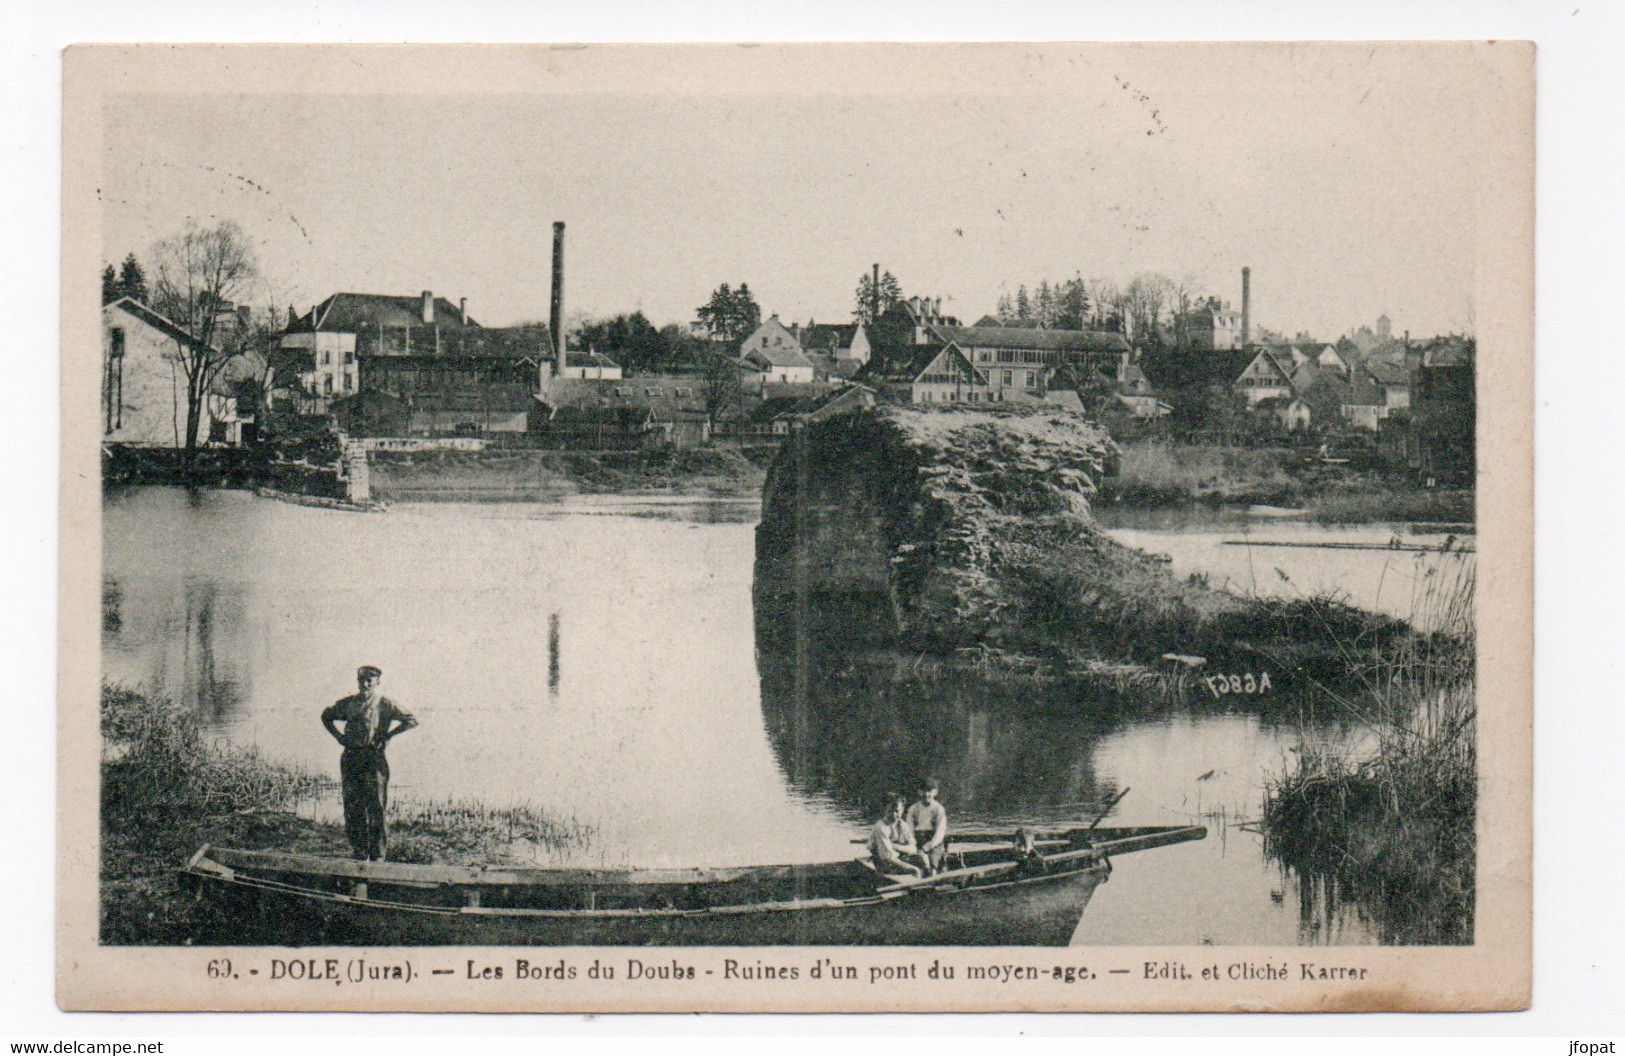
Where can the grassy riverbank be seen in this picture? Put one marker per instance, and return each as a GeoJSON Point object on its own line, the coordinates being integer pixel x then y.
{"type": "Point", "coordinates": [498, 475]}
{"type": "Point", "coordinates": [1153, 475]}
{"type": "Point", "coordinates": [167, 789]}
{"type": "Point", "coordinates": [1394, 830]}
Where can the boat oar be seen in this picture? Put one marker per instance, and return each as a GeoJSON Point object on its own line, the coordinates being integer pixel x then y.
{"type": "Point", "coordinates": [1108, 809]}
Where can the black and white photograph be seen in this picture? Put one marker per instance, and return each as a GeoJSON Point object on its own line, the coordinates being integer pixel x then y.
{"type": "Point", "coordinates": [848, 526]}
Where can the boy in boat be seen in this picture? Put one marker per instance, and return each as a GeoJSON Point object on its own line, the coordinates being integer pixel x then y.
{"type": "Point", "coordinates": [890, 839]}
{"type": "Point", "coordinates": [1029, 859]}
{"type": "Point", "coordinates": [370, 720]}
{"type": "Point", "coordinates": [929, 820]}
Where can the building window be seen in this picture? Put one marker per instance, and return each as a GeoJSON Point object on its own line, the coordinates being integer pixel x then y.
{"type": "Point", "coordinates": [115, 379]}
{"type": "Point", "coordinates": [1007, 378]}
{"type": "Point", "coordinates": [327, 385]}
{"type": "Point", "coordinates": [349, 383]}
{"type": "Point", "coordinates": [327, 357]}
{"type": "Point", "coordinates": [349, 357]}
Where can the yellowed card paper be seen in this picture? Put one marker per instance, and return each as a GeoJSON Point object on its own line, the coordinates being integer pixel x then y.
{"type": "Point", "coordinates": [840, 528]}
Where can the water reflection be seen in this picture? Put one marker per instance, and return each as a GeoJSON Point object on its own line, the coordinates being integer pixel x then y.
{"type": "Point", "coordinates": [848, 725]}
{"type": "Point", "coordinates": [186, 631]}
{"type": "Point", "coordinates": [606, 666]}
{"type": "Point", "coordinates": [856, 727]}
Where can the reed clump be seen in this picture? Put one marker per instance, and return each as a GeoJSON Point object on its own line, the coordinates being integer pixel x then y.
{"type": "Point", "coordinates": [1392, 825]}
{"type": "Point", "coordinates": [1453, 505]}
{"type": "Point", "coordinates": [468, 832]}
{"type": "Point", "coordinates": [158, 763]}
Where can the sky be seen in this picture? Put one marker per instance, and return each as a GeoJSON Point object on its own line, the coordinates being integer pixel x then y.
{"type": "Point", "coordinates": [1342, 176]}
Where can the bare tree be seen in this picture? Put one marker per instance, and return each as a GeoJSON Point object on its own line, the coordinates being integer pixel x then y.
{"type": "Point", "coordinates": [1104, 299]}
{"type": "Point", "coordinates": [200, 275]}
{"type": "Point", "coordinates": [1182, 297]}
{"type": "Point", "coordinates": [1144, 299]}
{"type": "Point", "coordinates": [722, 387]}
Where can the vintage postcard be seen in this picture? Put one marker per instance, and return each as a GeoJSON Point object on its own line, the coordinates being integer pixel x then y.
{"type": "Point", "coordinates": [797, 528]}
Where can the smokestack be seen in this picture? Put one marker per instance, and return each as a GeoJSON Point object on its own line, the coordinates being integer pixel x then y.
{"type": "Point", "coordinates": [428, 307]}
{"type": "Point", "coordinates": [555, 319]}
{"type": "Point", "coordinates": [1246, 306]}
{"type": "Point", "coordinates": [874, 296]}
{"type": "Point", "coordinates": [462, 310]}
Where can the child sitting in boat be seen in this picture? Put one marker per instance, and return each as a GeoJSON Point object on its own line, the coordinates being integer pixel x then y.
{"type": "Point", "coordinates": [929, 820]}
{"type": "Point", "coordinates": [1030, 860]}
{"type": "Point", "coordinates": [891, 838]}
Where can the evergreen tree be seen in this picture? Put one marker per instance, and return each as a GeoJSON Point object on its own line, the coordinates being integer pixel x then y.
{"type": "Point", "coordinates": [109, 285]}
{"type": "Point", "coordinates": [1006, 310]}
{"type": "Point", "coordinates": [1024, 307]}
{"type": "Point", "coordinates": [132, 280]}
{"type": "Point", "coordinates": [1072, 305]}
{"type": "Point", "coordinates": [870, 302]}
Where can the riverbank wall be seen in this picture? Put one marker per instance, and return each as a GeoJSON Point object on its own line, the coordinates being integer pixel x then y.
{"type": "Point", "coordinates": [303, 468]}
{"type": "Point", "coordinates": [966, 537]}
{"type": "Point", "coordinates": [498, 475]}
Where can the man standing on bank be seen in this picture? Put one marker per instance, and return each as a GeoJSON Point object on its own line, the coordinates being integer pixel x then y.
{"type": "Point", "coordinates": [370, 720]}
{"type": "Point", "coordinates": [929, 820]}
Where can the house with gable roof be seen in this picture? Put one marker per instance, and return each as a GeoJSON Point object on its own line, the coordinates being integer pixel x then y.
{"type": "Point", "coordinates": [774, 354]}
{"type": "Point", "coordinates": [839, 341]}
{"type": "Point", "coordinates": [1377, 390]}
{"type": "Point", "coordinates": [1267, 376]}
{"type": "Point", "coordinates": [143, 387]}
{"type": "Point", "coordinates": [942, 374]}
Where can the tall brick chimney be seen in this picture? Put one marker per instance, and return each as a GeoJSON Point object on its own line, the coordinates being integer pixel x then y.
{"type": "Point", "coordinates": [555, 318]}
{"type": "Point", "coordinates": [1246, 306]}
{"type": "Point", "coordinates": [428, 307]}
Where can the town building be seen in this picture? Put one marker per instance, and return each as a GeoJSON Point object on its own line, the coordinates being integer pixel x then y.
{"type": "Point", "coordinates": [383, 324]}
{"type": "Point", "coordinates": [1267, 376]}
{"type": "Point", "coordinates": [1377, 390]}
{"type": "Point", "coordinates": [1212, 326]}
{"type": "Point", "coordinates": [144, 388]}
{"type": "Point", "coordinates": [646, 412]}
{"type": "Point", "coordinates": [838, 341]}
{"type": "Point", "coordinates": [418, 366]}
{"type": "Point", "coordinates": [593, 366]}
{"type": "Point", "coordinates": [1020, 360]}
{"type": "Point", "coordinates": [940, 374]}
{"type": "Point", "coordinates": [774, 354]}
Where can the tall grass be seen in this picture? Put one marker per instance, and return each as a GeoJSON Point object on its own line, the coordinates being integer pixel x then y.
{"type": "Point", "coordinates": [1153, 474]}
{"type": "Point", "coordinates": [1392, 504]}
{"type": "Point", "coordinates": [468, 831]}
{"type": "Point", "coordinates": [158, 761]}
{"type": "Point", "coordinates": [1392, 825]}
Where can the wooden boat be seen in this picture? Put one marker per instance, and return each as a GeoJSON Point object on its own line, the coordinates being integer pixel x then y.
{"type": "Point", "coordinates": [990, 896]}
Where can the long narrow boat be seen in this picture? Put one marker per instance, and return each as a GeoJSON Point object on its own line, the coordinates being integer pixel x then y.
{"type": "Point", "coordinates": [990, 897]}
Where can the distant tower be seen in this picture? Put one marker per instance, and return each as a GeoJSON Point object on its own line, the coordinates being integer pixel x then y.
{"type": "Point", "coordinates": [1246, 306]}
{"type": "Point", "coordinates": [1385, 328]}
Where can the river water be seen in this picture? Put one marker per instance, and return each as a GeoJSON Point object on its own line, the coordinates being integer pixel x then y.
{"type": "Point", "coordinates": [595, 657]}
